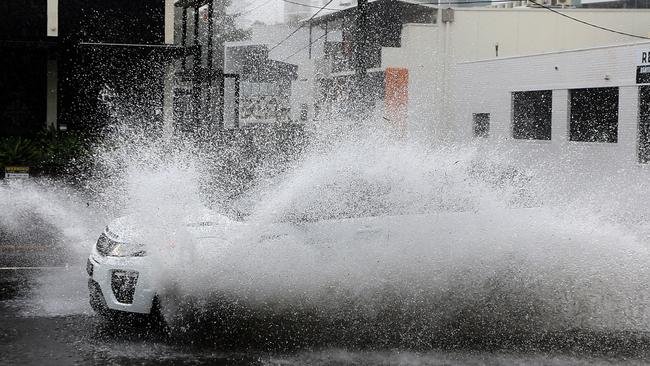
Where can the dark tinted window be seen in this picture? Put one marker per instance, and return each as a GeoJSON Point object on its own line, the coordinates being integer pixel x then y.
{"type": "Point", "coordinates": [481, 124]}
{"type": "Point", "coordinates": [594, 115]}
{"type": "Point", "coordinates": [531, 115]}
{"type": "Point", "coordinates": [644, 124]}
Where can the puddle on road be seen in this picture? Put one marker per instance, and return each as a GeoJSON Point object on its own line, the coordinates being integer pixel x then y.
{"type": "Point", "coordinates": [487, 275]}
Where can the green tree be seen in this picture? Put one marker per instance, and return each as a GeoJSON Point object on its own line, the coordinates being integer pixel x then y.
{"type": "Point", "coordinates": [19, 151]}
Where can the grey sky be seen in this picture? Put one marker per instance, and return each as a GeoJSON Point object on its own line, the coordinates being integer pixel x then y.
{"type": "Point", "coordinates": [268, 11]}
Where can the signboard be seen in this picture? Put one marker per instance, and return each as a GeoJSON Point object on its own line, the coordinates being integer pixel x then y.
{"type": "Point", "coordinates": [262, 102]}
{"type": "Point", "coordinates": [643, 69]}
{"type": "Point", "coordinates": [16, 172]}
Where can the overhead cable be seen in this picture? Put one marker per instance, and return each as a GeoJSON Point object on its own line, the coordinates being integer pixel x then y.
{"type": "Point", "coordinates": [301, 26]}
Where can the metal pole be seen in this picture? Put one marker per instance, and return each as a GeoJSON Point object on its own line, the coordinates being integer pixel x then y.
{"type": "Point", "coordinates": [221, 65]}
{"type": "Point", "coordinates": [210, 32]}
{"type": "Point", "coordinates": [210, 63]}
{"type": "Point", "coordinates": [222, 96]}
{"type": "Point", "coordinates": [195, 69]}
{"type": "Point", "coordinates": [196, 25]}
{"type": "Point", "coordinates": [237, 86]}
{"type": "Point", "coordinates": [184, 36]}
{"type": "Point", "coordinates": [360, 56]}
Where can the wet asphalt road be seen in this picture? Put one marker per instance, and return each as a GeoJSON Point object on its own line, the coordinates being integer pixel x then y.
{"type": "Point", "coordinates": [45, 320]}
{"type": "Point", "coordinates": [41, 326]}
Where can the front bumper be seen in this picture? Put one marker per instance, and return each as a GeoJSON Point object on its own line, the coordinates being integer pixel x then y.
{"type": "Point", "coordinates": [124, 284]}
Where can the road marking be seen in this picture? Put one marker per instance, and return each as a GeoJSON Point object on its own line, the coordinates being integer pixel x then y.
{"type": "Point", "coordinates": [28, 268]}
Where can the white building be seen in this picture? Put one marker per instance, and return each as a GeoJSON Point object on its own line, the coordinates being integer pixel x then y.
{"type": "Point", "coordinates": [592, 104]}
{"type": "Point", "coordinates": [432, 53]}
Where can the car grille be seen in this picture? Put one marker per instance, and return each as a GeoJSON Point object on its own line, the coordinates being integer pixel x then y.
{"type": "Point", "coordinates": [123, 285]}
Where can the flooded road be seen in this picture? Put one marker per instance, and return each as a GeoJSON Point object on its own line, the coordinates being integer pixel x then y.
{"type": "Point", "coordinates": [463, 267]}
{"type": "Point", "coordinates": [65, 331]}
{"type": "Point", "coordinates": [41, 327]}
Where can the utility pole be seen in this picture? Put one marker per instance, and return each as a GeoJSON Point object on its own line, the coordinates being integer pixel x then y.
{"type": "Point", "coordinates": [220, 61]}
{"type": "Point", "coordinates": [360, 85]}
{"type": "Point", "coordinates": [215, 61]}
{"type": "Point", "coordinates": [209, 61]}
{"type": "Point", "coordinates": [207, 73]}
{"type": "Point", "coordinates": [196, 68]}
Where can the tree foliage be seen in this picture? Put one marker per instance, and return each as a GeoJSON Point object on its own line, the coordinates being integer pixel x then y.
{"type": "Point", "coordinates": [49, 148]}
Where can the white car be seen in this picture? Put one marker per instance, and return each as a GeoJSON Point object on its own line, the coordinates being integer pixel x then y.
{"type": "Point", "coordinates": [125, 278]}
{"type": "Point", "coordinates": [120, 273]}
{"type": "Point", "coordinates": [122, 276]}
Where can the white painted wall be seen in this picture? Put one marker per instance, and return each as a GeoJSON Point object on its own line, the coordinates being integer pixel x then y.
{"type": "Point", "coordinates": [417, 55]}
{"type": "Point", "coordinates": [522, 31]}
{"type": "Point", "coordinates": [486, 86]}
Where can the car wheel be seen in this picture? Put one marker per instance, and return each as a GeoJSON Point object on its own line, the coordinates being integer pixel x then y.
{"type": "Point", "coordinates": [97, 301]}
{"type": "Point", "coordinates": [166, 311]}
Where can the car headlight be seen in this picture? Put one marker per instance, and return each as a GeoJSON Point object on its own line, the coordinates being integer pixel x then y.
{"type": "Point", "coordinates": [127, 250]}
{"type": "Point", "coordinates": [109, 247]}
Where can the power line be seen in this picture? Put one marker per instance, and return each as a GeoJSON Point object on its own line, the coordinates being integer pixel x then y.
{"type": "Point", "coordinates": [441, 3]}
{"type": "Point", "coordinates": [246, 12]}
{"type": "Point", "coordinates": [308, 6]}
{"type": "Point", "coordinates": [587, 23]}
{"type": "Point", "coordinates": [301, 25]}
{"type": "Point", "coordinates": [304, 48]}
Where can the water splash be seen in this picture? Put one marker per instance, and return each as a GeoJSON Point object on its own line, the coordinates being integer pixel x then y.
{"type": "Point", "coordinates": [462, 256]}
{"type": "Point", "coordinates": [473, 247]}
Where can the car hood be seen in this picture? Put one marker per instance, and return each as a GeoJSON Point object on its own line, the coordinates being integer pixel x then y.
{"type": "Point", "coordinates": [127, 228]}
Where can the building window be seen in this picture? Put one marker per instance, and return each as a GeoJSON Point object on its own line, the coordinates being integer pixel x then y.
{"type": "Point", "coordinates": [594, 115]}
{"type": "Point", "coordinates": [531, 115]}
{"type": "Point", "coordinates": [644, 124]}
{"type": "Point", "coordinates": [481, 124]}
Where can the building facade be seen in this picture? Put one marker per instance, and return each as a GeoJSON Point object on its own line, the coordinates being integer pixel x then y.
{"type": "Point", "coordinates": [333, 40]}
{"type": "Point", "coordinates": [424, 45]}
{"type": "Point", "coordinates": [590, 105]}
{"type": "Point", "coordinates": [432, 52]}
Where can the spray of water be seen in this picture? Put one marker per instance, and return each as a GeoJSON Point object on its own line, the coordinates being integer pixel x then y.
{"type": "Point", "coordinates": [385, 242]}
{"type": "Point", "coordinates": [467, 251]}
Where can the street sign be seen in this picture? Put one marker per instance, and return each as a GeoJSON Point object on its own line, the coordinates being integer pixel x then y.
{"type": "Point", "coordinates": [643, 68]}
{"type": "Point", "coordinates": [16, 172]}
